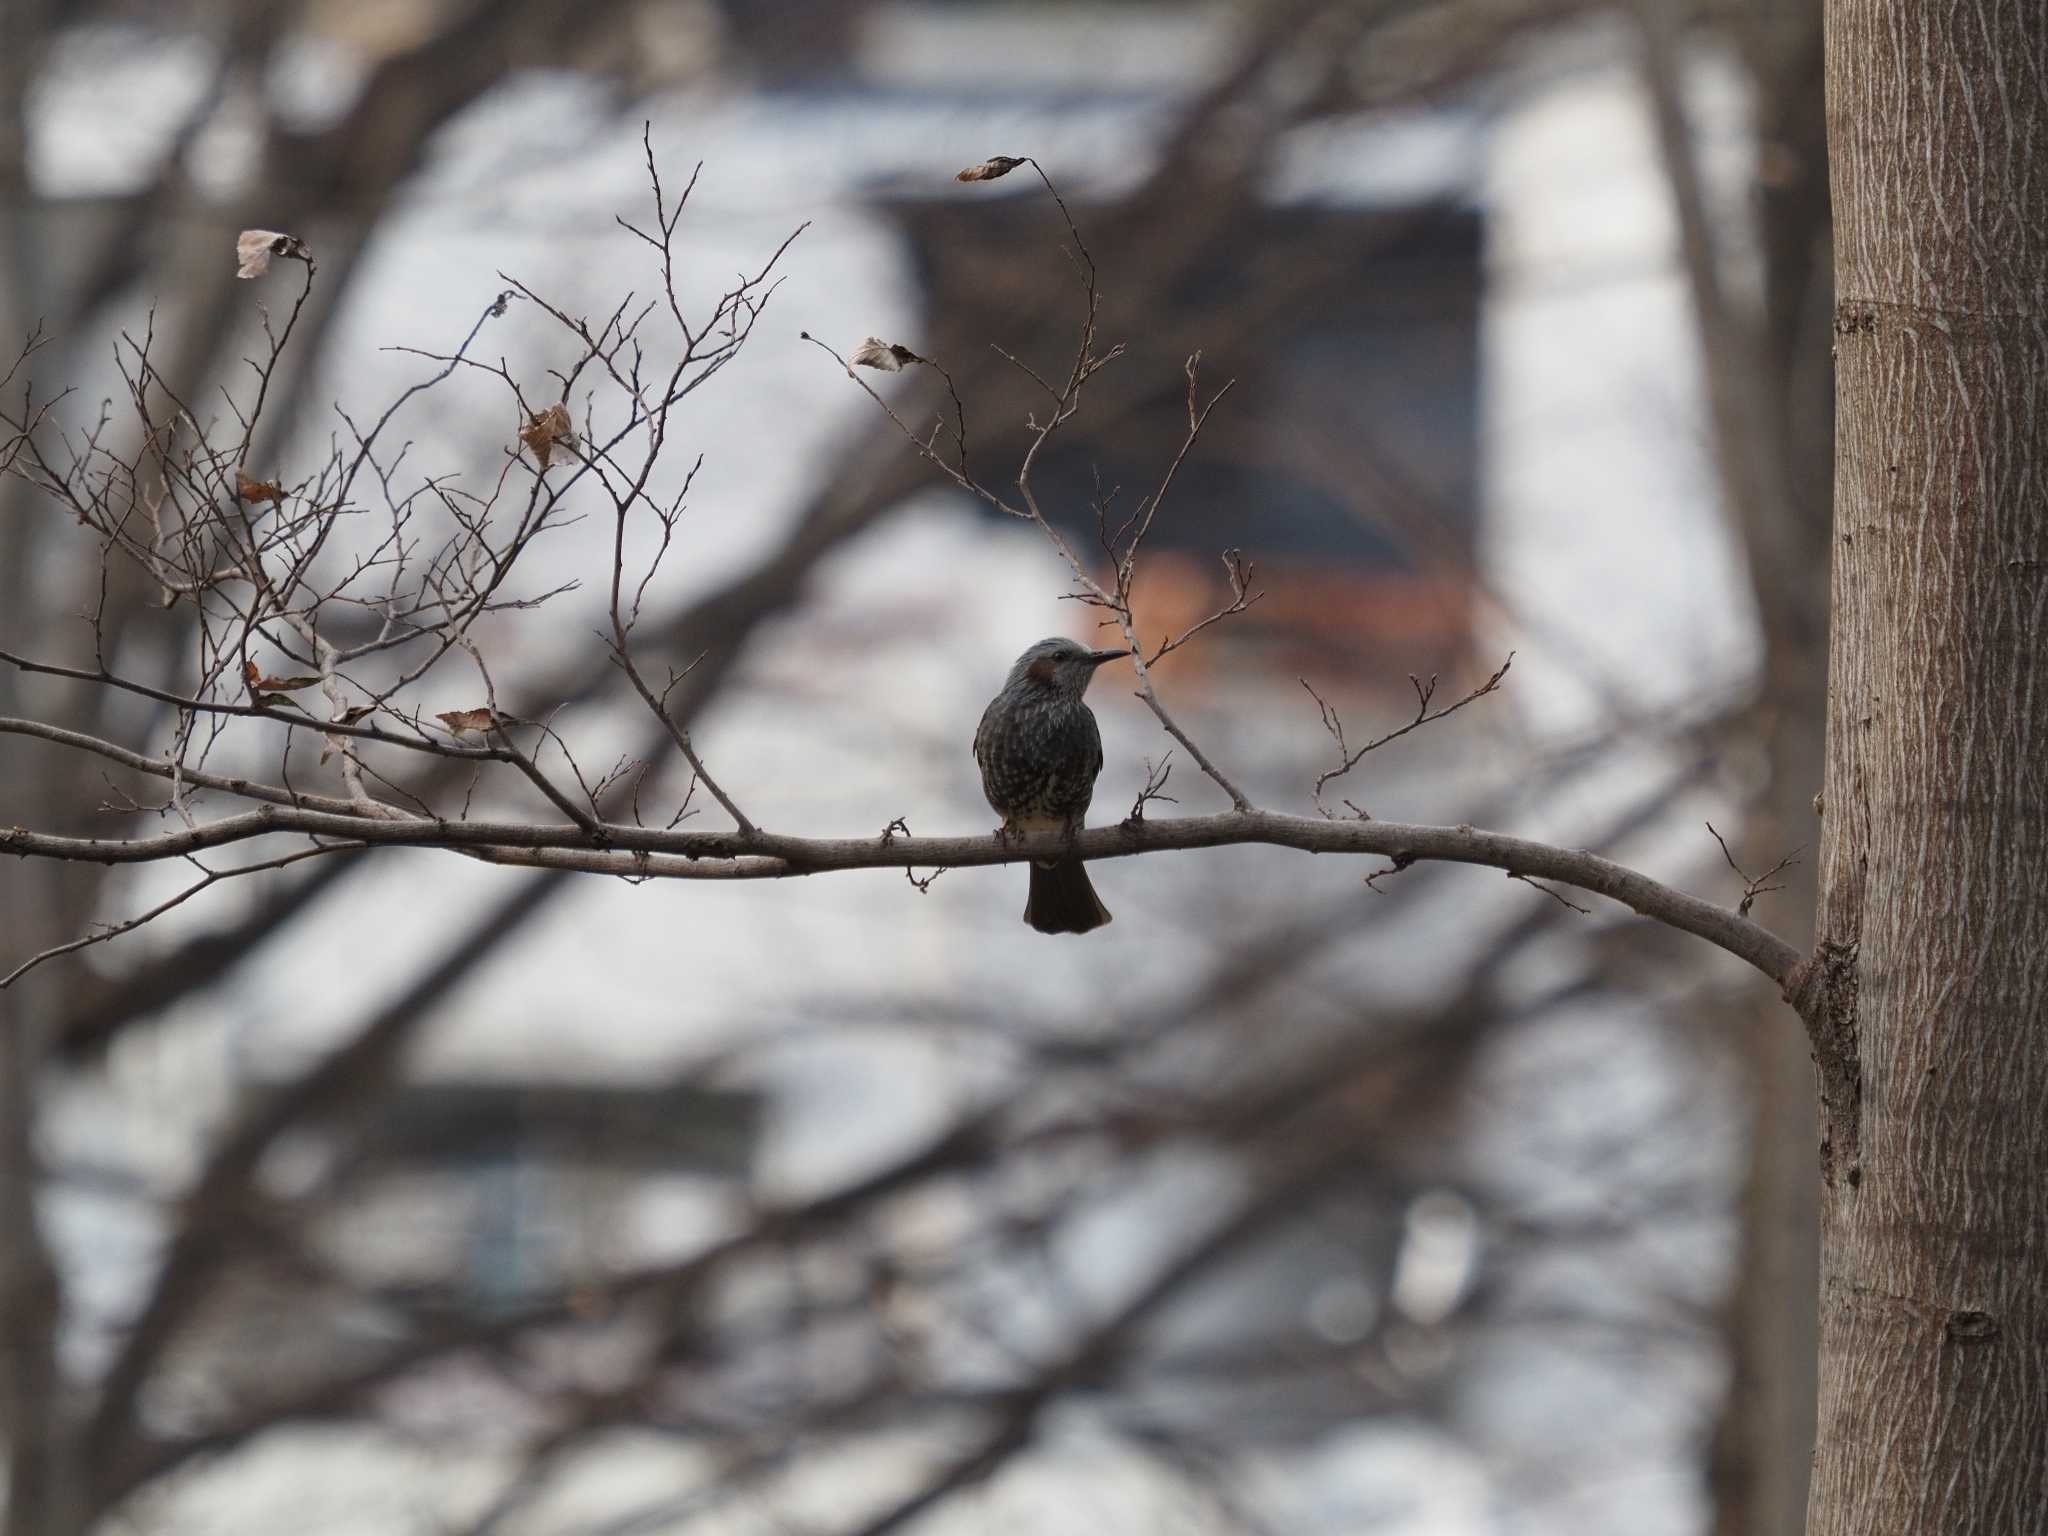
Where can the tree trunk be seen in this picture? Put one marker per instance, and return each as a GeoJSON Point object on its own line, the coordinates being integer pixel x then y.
{"type": "Point", "coordinates": [1929, 991]}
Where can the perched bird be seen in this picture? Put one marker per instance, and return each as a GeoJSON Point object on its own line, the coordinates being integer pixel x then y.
{"type": "Point", "coordinates": [1039, 753]}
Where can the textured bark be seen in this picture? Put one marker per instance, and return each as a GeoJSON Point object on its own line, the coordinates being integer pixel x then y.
{"type": "Point", "coordinates": [1931, 979]}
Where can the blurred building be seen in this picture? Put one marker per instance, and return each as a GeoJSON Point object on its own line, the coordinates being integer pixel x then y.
{"type": "Point", "coordinates": [449, 1199]}
{"type": "Point", "coordinates": [1336, 289]}
{"type": "Point", "coordinates": [1344, 459]}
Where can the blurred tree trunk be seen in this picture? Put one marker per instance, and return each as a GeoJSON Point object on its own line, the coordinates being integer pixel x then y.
{"type": "Point", "coordinates": [1767, 392]}
{"type": "Point", "coordinates": [1763, 1444]}
{"type": "Point", "coordinates": [35, 1483]}
{"type": "Point", "coordinates": [1932, 974]}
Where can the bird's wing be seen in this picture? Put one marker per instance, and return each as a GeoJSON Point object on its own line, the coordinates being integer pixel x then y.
{"type": "Point", "coordinates": [981, 726]}
{"type": "Point", "coordinates": [1093, 733]}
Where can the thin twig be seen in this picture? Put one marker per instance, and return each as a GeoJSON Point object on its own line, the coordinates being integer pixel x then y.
{"type": "Point", "coordinates": [1754, 886]}
{"type": "Point", "coordinates": [102, 932]}
{"type": "Point", "coordinates": [1425, 693]}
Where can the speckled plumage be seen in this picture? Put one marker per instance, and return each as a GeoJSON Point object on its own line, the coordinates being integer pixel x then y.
{"type": "Point", "coordinates": [1039, 752]}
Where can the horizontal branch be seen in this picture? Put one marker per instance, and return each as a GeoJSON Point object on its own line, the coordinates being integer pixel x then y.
{"type": "Point", "coordinates": [164, 768]}
{"type": "Point", "coordinates": [643, 852]}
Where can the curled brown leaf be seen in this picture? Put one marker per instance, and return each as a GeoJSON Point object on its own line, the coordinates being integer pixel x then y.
{"type": "Point", "coordinates": [545, 429]}
{"type": "Point", "coordinates": [247, 489]}
{"type": "Point", "coordinates": [259, 684]}
{"type": "Point", "coordinates": [990, 169]}
{"type": "Point", "coordinates": [462, 722]}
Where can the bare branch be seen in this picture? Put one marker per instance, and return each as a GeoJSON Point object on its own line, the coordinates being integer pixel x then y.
{"type": "Point", "coordinates": [1557, 896]}
{"type": "Point", "coordinates": [102, 932]}
{"type": "Point", "coordinates": [1154, 788]}
{"type": "Point", "coordinates": [1425, 693]}
{"type": "Point", "coordinates": [1754, 886]}
{"type": "Point", "coordinates": [923, 883]}
{"type": "Point", "coordinates": [1238, 571]}
{"type": "Point", "coordinates": [641, 851]}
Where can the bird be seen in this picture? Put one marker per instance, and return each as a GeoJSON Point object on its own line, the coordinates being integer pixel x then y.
{"type": "Point", "coordinates": [1039, 752]}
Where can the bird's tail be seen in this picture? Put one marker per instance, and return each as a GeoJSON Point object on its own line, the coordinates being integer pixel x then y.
{"type": "Point", "coordinates": [1062, 900]}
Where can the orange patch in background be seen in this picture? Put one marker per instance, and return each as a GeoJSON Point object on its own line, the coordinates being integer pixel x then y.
{"type": "Point", "coordinates": [1311, 618]}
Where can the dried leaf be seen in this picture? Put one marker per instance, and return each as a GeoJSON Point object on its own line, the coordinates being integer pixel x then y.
{"type": "Point", "coordinates": [259, 684]}
{"type": "Point", "coordinates": [544, 429]}
{"type": "Point", "coordinates": [885, 355]}
{"type": "Point", "coordinates": [359, 712]}
{"type": "Point", "coordinates": [461, 722]}
{"type": "Point", "coordinates": [991, 168]}
{"type": "Point", "coordinates": [255, 247]}
{"type": "Point", "coordinates": [257, 490]}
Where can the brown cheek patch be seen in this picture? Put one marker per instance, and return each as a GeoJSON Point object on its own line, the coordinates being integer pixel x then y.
{"type": "Point", "coordinates": [1041, 670]}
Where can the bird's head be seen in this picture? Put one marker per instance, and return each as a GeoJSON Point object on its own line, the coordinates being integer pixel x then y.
{"type": "Point", "coordinates": [1059, 665]}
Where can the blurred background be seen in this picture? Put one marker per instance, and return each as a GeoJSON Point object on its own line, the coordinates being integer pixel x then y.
{"type": "Point", "coordinates": [396, 1194]}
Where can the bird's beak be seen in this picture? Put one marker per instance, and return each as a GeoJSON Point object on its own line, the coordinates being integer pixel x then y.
{"type": "Point", "coordinates": [1097, 658]}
